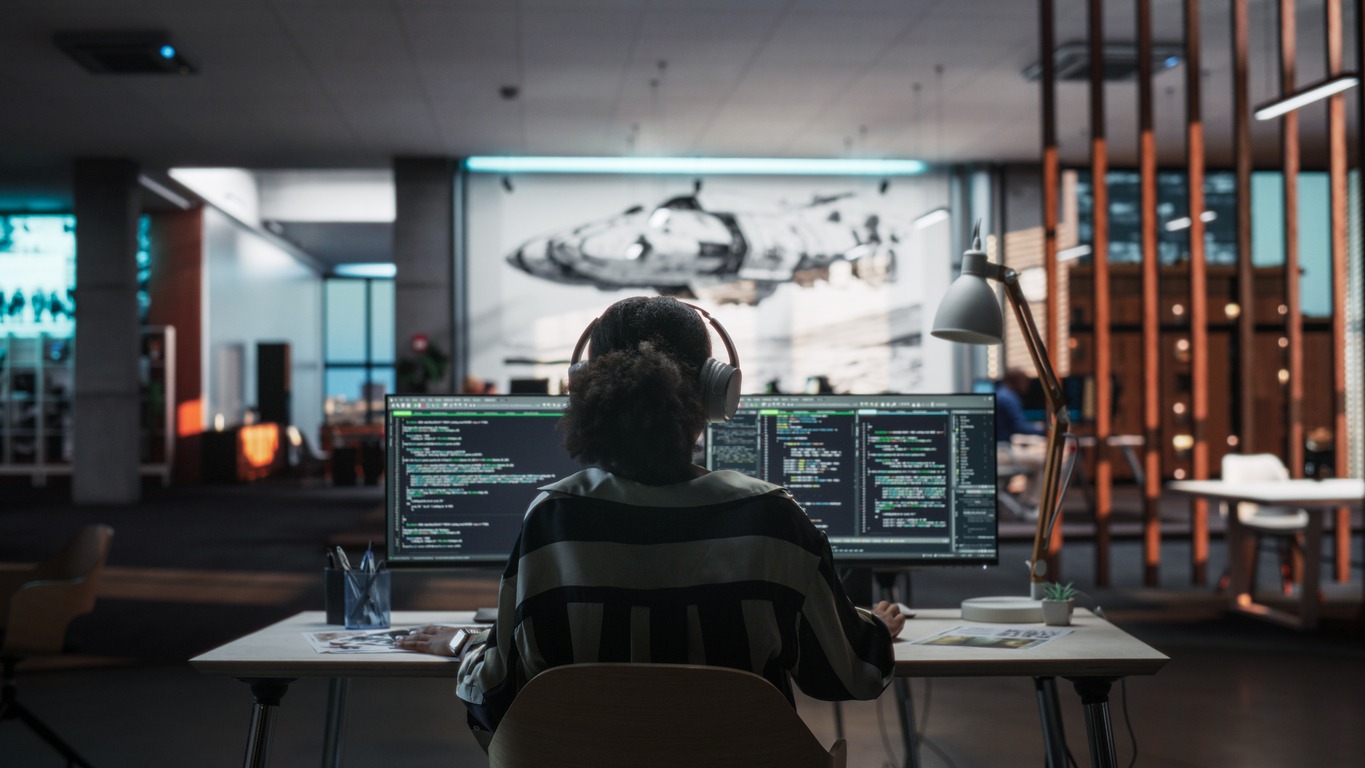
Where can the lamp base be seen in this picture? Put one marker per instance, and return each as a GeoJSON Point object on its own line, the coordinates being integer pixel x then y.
{"type": "Point", "coordinates": [1003, 610]}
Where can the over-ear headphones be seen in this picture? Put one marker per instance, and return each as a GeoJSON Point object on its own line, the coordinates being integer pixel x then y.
{"type": "Point", "coordinates": [719, 381]}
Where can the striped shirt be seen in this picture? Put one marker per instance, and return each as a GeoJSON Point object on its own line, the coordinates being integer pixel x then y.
{"type": "Point", "coordinates": [722, 570]}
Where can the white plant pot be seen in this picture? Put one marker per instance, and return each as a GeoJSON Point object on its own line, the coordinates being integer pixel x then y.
{"type": "Point", "coordinates": [1057, 613]}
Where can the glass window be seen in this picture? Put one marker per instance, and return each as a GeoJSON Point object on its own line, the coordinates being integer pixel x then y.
{"type": "Point", "coordinates": [1267, 219]}
{"type": "Point", "coordinates": [359, 353]}
{"type": "Point", "coordinates": [381, 322]}
{"type": "Point", "coordinates": [344, 306]}
{"type": "Point", "coordinates": [1315, 245]}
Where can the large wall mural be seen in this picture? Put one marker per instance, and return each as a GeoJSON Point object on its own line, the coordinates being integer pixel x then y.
{"type": "Point", "coordinates": [686, 247]}
{"type": "Point", "coordinates": [813, 277]}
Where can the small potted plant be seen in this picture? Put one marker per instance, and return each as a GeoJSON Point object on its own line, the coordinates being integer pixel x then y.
{"type": "Point", "coordinates": [1058, 600]}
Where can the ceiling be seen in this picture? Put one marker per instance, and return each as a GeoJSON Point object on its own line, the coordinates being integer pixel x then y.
{"type": "Point", "coordinates": [352, 83]}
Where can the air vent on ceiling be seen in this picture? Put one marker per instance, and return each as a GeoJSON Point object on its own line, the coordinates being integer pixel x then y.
{"type": "Point", "coordinates": [124, 52]}
{"type": "Point", "coordinates": [1071, 61]}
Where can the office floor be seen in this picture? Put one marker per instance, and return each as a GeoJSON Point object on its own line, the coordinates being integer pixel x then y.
{"type": "Point", "coordinates": [192, 568]}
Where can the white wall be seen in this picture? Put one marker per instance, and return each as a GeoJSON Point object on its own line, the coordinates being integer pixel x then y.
{"type": "Point", "coordinates": [255, 291]}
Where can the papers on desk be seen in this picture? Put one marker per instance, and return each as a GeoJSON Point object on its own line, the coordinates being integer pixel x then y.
{"type": "Point", "coordinates": [1006, 637]}
{"type": "Point", "coordinates": [356, 640]}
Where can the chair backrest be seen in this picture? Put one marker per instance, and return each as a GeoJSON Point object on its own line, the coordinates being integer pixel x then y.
{"type": "Point", "coordinates": [1258, 468]}
{"type": "Point", "coordinates": [660, 715]}
{"type": "Point", "coordinates": [1253, 468]}
{"type": "Point", "coordinates": [58, 590]}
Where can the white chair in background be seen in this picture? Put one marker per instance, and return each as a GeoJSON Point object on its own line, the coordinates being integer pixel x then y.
{"type": "Point", "coordinates": [1284, 523]}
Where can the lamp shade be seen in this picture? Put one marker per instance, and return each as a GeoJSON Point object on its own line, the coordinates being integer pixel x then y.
{"type": "Point", "coordinates": [969, 312]}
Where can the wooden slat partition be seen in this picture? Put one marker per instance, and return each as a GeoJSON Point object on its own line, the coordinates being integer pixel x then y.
{"type": "Point", "coordinates": [1051, 191]}
{"type": "Point", "coordinates": [1051, 173]}
{"type": "Point", "coordinates": [1247, 368]}
{"type": "Point", "coordinates": [1199, 304]}
{"type": "Point", "coordinates": [1289, 138]}
{"type": "Point", "coordinates": [1099, 168]}
{"type": "Point", "coordinates": [1151, 318]}
{"type": "Point", "coordinates": [1336, 145]}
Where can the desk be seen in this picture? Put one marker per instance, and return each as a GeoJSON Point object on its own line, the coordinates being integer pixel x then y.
{"type": "Point", "coordinates": [1092, 657]}
{"type": "Point", "coordinates": [1315, 496]}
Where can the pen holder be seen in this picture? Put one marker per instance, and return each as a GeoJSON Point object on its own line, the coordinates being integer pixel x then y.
{"type": "Point", "coordinates": [368, 599]}
{"type": "Point", "coordinates": [334, 594]}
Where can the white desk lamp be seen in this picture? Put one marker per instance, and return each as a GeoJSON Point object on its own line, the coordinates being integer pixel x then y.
{"type": "Point", "coordinates": [970, 314]}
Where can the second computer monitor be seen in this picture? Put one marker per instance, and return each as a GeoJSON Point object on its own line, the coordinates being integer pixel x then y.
{"type": "Point", "coordinates": [891, 479]}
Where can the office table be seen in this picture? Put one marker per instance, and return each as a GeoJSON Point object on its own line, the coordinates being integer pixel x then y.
{"type": "Point", "coordinates": [1093, 656]}
{"type": "Point", "coordinates": [1314, 496]}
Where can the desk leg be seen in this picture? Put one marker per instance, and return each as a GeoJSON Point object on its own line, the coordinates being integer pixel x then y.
{"type": "Point", "coordinates": [1050, 713]}
{"type": "Point", "coordinates": [1310, 593]}
{"type": "Point", "coordinates": [909, 735]}
{"type": "Point", "coordinates": [1199, 541]}
{"type": "Point", "coordinates": [266, 693]}
{"type": "Point", "coordinates": [1094, 692]}
{"type": "Point", "coordinates": [336, 722]}
{"type": "Point", "coordinates": [1241, 559]}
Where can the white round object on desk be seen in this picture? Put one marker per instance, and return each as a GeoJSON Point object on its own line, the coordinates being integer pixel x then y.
{"type": "Point", "coordinates": [1003, 610]}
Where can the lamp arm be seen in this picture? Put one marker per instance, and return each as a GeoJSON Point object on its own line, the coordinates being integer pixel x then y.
{"type": "Point", "coordinates": [1059, 424]}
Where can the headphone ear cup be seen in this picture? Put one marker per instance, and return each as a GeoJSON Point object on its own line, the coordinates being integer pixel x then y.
{"type": "Point", "coordinates": [720, 390]}
{"type": "Point", "coordinates": [574, 368]}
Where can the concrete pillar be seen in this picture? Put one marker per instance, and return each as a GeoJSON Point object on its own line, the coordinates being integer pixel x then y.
{"type": "Point", "coordinates": [426, 236]}
{"type": "Point", "coordinates": [107, 410]}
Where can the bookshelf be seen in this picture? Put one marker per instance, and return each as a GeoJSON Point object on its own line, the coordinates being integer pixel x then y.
{"type": "Point", "coordinates": [37, 384]}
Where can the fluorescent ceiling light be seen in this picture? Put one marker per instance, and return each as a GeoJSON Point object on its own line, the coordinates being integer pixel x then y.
{"type": "Point", "coordinates": [755, 166]}
{"type": "Point", "coordinates": [1073, 253]}
{"type": "Point", "coordinates": [931, 218]}
{"type": "Point", "coordinates": [378, 270]}
{"type": "Point", "coordinates": [1184, 222]}
{"type": "Point", "coordinates": [1305, 96]}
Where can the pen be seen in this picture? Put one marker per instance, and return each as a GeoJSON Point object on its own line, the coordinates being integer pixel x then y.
{"type": "Point", "coordinates": [341, 559]}
{"type": "Point", "coordinates": [331, 560]}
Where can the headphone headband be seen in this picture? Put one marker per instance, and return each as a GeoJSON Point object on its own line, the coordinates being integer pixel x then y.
{"type": "Point", "coordinates": [719, 382]}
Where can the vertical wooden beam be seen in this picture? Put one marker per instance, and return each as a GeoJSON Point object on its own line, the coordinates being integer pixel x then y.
{"type": "Point", "coordinates": [1099, 169]}
{"type": "Point", "coordinates": [1289, 138]}
{"type": "Point", "coordinates": [1247, 371]}
{"type": "Point", "coordinates": [1151, 294]}
{"type": "Point", "coordinates": [1051, 171]}
{"type": "Point", "coordinates": [1199, 300]}
{"type": "Point", "coordinates": [1336, 173]}
{"type": "Point", "coordinates": [1051, 191]}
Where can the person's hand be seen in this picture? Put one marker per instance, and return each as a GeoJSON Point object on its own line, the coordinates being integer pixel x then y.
{"type": "Point", "coordinates": [433, 640]}
{"type": "Point", "coordinates": [890, 614]}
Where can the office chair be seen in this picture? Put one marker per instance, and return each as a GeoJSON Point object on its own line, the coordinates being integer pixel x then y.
{"type": "Point", "coordinates": [1283, 523]}
{"type": "Point", "coordinates": [36, 605]}
{"type": "Point", "coordinates": [660, 715]}
{"type": "Point", "coordinates": [305, 461]}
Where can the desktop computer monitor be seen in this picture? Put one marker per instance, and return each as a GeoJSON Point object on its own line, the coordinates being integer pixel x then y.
{"type": "Point", "coordinates": [893, 480]}
{"type": "Point", "coordinates": [462, 471]}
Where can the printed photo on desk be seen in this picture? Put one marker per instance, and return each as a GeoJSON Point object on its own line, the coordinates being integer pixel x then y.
{"type": "Point", "coordinates": [357, 641]}
{"type": "Point", "coordinates": [1008, 638]}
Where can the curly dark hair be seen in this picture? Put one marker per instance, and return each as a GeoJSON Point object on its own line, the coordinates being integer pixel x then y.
{"type": "Point", "coordinates": [635, 408]}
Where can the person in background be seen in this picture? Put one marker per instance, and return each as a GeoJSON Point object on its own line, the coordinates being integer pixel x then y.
{"type": "Point", "coordinates": [1009, 407]}
{"type": "Point", "coordinates": [647, 557]}
{"type": "Point", "coordinates": [1019, 461]}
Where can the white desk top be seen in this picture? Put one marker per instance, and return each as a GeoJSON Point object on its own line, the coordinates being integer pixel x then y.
{"type": "Point", "coordinates": [280, 650]}
{"type": "Point", "coordinates": [1338, 492]}
{"type": "Point", "coordinates": [1095, 648]}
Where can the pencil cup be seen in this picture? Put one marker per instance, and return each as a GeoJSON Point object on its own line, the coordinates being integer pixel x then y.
{"type": "Point", "coordinates": [334, 595]}
{"type": "Point", "coordinates": [368, 599]}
